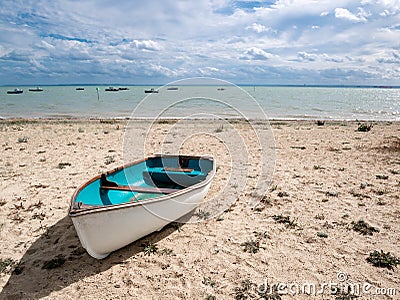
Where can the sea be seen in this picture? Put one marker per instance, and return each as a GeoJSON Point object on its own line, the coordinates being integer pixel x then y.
{"type": "Point", "coordinates": [372, 103]}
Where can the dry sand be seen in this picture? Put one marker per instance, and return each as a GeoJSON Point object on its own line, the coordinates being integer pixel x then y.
{"type": "Point", "coordinates": [326, 177]}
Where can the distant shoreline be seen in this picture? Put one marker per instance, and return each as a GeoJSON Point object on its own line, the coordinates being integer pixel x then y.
{"type": "Point", "coordinates": [374, 86]}
{"type": "Point", "coordinates": [172, 120]}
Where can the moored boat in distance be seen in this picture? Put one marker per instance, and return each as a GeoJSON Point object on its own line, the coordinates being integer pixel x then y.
{"type": "Point", "coordinates": [112, 89]}
{"type": "Point", "coordinates": [15, 91]}
{"type": "Point", "coordinates": [172, 89]}
{"type": "Point", "coordinates": [116, 208]}
{"type": "Point", "coordinates": [80, 89]}
{"type": "Point", "coordinates": [36, 89]}
{"type": "Point", "coordinates": [123, 89]}
{"type": "Point", "coordinates": [151, 91]}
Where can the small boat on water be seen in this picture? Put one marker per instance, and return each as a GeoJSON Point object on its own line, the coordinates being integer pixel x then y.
{"type": "Point", "coordinates": [151, 91]}
{"type": "Point", "coordinates": [116, 208]}
{"type": "Point", "coordinates": [123, 89]}
{"type": "Point", "coordinates": [80, 89]}
{"type": "Point", "coordinates": [15, 91]}
{"type": "Point", "coordinates": [36, 89]}
{"type": "Point", "coordinates": [172, 89]}
{"type": "Point", "coordinates": [112, 89]}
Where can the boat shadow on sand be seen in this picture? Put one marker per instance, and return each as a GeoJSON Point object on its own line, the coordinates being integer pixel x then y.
{"type": "Point", "coordinates": [56, 260]}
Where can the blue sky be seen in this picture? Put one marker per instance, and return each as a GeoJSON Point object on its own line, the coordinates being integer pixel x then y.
{"type": "Point", "coordinates": [245, 42]}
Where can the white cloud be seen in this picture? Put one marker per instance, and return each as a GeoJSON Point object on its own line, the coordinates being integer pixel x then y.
{"type": "Point", "coordinates": [254, 53]}
{"type": "Point", "coordinates": [304, 56]}
{"type": "Point", "coordinates": [146, 45]}
{"type": "Point", "coordinates": [209, 71]}
{"type": "Point", "coordinates": [258, 28]}
{"type": "Point", "coordinates": [189, 38]}
{"type": "Point", "coordinates": [343, 13]}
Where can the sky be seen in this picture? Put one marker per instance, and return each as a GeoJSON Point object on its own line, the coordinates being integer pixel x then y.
{"type": "Point", "coordinates": [244, 42]}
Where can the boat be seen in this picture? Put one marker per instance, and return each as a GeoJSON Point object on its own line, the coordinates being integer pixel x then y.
{"type": "Point", "coordinates": [112, 89]}
{"type": "Point", "coordinates": [80, 89]}
{"type": "Point", "coordinates": [36, 89]}
{"type": "Point", "coordinates": [15, 91]}
{"type": "Point", "coordinates": [151, 91]}
{"type": "Point", "coordinates": [123, 89]}
{"type": "Point", "coordinates": [172, 89]}
{"type": "Point", "coordinates": [123, 205]}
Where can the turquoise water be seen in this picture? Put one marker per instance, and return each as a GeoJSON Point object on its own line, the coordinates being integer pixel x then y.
{"type": "Point", "coordinates": [278, 102]}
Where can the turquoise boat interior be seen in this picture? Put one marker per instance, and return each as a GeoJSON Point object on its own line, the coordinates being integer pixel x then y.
{"type": "Point", "coordinates": [149, 179]}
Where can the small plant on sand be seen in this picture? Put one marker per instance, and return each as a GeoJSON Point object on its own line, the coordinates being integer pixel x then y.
{"type": "Point", "coordinates": [150, 248]}
{"type": "Point", "coordinates": [345, 295]}
{"type": "Point", "coordinates": [380, 202]}
{"type": "Point", "coordinates": [202, 214]}
{"type": "Point", "coordinates": [364, 127]}
{"type": "Point", "coordinates": [23, 139]}
{"type": "Point", "coordinates": [5, 264]}
{"type": "Point", "coordinates": [285, 220]}
{"type": "Point", "coordinates": [243, 291]}
{"type": "Point", "coordinates": [283, 194]}
{"type": "Point", "coordinates": [220, 128]}
{"type": "Point", "coordinates": [364, 228]}
{"type": "Point", "coordinates": [332, 193]}
{"type": "Point", "coordinates": [208, 281]}
{"type": "Point", "coordinates": [109, 159]}
{"type": "Point", "coordinates": [383, 260]}
{"type": "Point", "coordinates": [251, 246]}
{"type": "Point", "coordinates": [167, 252]}
{"type": "Point", "coordinates": [63, 165]}
{"type": "Point", "coordinates": [322, 234]}
{"type": "Point", "coordinates": [177, 226]}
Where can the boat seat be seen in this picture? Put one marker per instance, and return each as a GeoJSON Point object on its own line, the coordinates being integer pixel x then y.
{"type": "Point", "coordinates": [174, 171]}
{"type": "Point", "coordinates": [140, 189]}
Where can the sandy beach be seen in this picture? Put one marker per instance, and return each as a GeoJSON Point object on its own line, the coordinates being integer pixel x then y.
{"type": "Point", "coordinates": [326, 179]}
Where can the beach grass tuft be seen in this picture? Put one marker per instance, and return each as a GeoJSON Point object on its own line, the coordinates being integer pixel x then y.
{"type": "Point", "coordinates": [292, 223]}
{"type": "Point", "coordinates": [383, 260]}
{"type": "Point", "coordinates": [202, 214]}
{"type": "Point", "coordinates": [208, 281]}
{"type": "Point", "coordinates": [364, 228]}
{"type": "Point", "coordinates": [220, 128]}
{"type": "Point", "coordinates": [24, 139]}
{"type": "Point", "coordinates": [243, 291]}
{"type": "Point", "coordinates": [149, 248]}
{"type": "Point", "coordinates": [251, 246]}
{"type": "Point", "coordinates": [364, 127]}
{"type": "Point", "coordinates": [109, 159]}
{"type": "Point", "coordinates": [63, 165]}
{"type": "Point", "coordinates": [5, 264]}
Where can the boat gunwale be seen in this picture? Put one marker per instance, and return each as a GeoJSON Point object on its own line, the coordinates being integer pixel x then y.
{"type": "Point", "coordinates": [89, 209]}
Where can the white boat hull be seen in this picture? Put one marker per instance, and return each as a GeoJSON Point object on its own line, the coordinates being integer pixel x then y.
{"type": "Point", "coordinates": [105, 231]}
{"type": "Point", "coordinates": [102, 230]}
